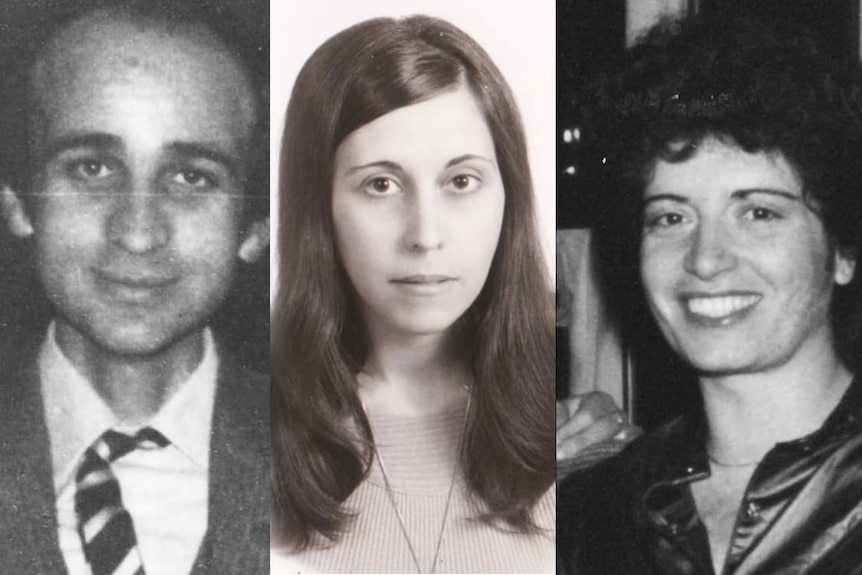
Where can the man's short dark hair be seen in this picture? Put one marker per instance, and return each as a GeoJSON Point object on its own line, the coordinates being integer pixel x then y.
{"type": "Point", "coordinates": [235, 24]}
{"type": "Point", "coordinates": [242, 26]}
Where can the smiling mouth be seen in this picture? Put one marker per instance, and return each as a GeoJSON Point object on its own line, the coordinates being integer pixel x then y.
{"type": "Point", "coordinates": [137, 281]}
{"type": "Point", "coordinates": [134, 288]}
{"type": "Point", "coordinates": [718, 307]}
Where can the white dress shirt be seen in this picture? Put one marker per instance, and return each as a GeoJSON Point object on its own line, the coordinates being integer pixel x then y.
{"type": "Point", "coordinates": [164, 490]}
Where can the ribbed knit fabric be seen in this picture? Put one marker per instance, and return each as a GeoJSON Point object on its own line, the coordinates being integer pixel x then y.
{"type": "Point", "coordinates": [419, 455]}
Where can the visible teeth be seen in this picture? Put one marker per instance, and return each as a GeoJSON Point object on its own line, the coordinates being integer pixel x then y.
{"type": "Point", "coordinates": [720, 306]}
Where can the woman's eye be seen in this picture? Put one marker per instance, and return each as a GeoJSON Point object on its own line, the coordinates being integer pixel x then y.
{"type": "Point", "coordinates": [666, 220]}
{"type": "Point", "coordinates": [193, 178]}
{"type": "Point", "coordinates": [381, 186]}
{"type": "Point", "coordinates": [465, 183]}
{"type": "Point", "coordinates": [89, 169]}
{"type": "Point", "coordinates": [761, 214]}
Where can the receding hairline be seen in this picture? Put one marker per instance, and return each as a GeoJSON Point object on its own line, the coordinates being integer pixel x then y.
{"type": "Point", "coordinates": [90, 25]}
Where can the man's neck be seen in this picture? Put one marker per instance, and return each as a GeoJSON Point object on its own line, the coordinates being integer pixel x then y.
{"type": "Point", "coordinates": [133, 387]}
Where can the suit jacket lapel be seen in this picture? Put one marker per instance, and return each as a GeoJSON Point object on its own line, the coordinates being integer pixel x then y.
{"type": "Point", "coordinates": [28, 511]}
{"type": "Point", "coordinates": [237, 539]}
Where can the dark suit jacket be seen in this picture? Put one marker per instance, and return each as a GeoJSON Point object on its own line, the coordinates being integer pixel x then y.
{"type": "Point", "coordinates": [237, 538]}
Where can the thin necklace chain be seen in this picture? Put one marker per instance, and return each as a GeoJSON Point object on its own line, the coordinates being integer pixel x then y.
{"type": "Point", "coordinates": [731, 465]}
{"type": "Point", "coordinates": [391, 494]}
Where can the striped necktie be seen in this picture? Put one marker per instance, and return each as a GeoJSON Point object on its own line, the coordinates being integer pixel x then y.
{"type": "Point", "coordinates": [105, 526]}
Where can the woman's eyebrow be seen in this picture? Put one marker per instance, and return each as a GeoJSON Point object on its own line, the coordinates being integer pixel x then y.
{"type": "Point", "coordinates": [467, 158]}
{"type": "Point", "coordinates": [381, 164]}
{"type": "Point", "coordinates": [744, 193]}
{"type": "Point", "coordinates": [665, 197]}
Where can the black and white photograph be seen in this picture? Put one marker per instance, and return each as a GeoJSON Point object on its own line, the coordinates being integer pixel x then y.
{"type": "Point", "coordinates": [709, 226]}
{"type": "Point", "coordinates": [134, 322]}
{"type": "Point", "coordinates": [412, 330]}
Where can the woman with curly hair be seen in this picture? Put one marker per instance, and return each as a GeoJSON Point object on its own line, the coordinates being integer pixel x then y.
{"type": "Point", "coordinates": [726, 160]}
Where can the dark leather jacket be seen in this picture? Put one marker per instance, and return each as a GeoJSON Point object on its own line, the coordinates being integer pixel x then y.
{"type": "Point", "coordinates": [801, 512]}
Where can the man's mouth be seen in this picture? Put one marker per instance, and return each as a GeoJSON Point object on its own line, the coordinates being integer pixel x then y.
{"type": "Point", "coordinates": [132, 286]}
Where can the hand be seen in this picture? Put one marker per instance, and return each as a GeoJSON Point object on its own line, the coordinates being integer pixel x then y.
{"type": "Point", "coordinates": [587, 420]}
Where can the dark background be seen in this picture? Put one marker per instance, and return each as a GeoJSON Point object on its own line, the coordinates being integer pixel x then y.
{"type": "Point", "coordinates": [591, 39]}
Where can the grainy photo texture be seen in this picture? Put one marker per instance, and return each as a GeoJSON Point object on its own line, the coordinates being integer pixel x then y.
{"type": "Point", "coordinates": [717, 161]}
{"type": "Point", "coordinates": [134, 405]}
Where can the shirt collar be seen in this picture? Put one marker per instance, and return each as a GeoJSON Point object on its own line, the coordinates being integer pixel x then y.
{"type": "Point", "coordinates": [684, 458]}
{"type": "Point", "coordinates": [685, 454]}
{"type": "Point", "coordinates": [76, 415]}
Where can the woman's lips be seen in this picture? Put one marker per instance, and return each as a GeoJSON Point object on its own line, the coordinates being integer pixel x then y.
{"type": "Point", "coordinates": [423, 279]}
{"type": "Point", "coordinates": [719, 310]}
{"type": "Point", "coordinates": [425, 284]}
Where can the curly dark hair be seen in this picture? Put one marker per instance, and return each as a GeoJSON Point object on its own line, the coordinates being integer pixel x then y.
{"type": "Point", "coordinates": [762, 87]}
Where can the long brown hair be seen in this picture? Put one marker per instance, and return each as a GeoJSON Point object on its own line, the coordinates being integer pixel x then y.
{"type": "Point", "coordinates": [318, 344]}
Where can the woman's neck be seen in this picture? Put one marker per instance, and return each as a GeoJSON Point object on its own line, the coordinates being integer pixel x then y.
{"type": "Point", "coordinates": [412, 376]}
{"type": "Point", "coordinates": [749, 413]}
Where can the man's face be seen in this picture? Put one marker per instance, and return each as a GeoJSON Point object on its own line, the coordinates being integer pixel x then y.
{"type": "Point", "coordinates": [140, 139]}
{"type": "Point", "coordinates": [737, 267]}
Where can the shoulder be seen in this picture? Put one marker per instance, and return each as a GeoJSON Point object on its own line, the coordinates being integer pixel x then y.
{"type": "Point", "coordinates": [243, 390]}
{"type": "Point", "coordinates": [241, 416]}
{"type": "Point", "coordinates": [545, 511]}
{"type": "Point", "coordinates": [21, 408]}
{"type": "Point", "coordinates": [599, 507]}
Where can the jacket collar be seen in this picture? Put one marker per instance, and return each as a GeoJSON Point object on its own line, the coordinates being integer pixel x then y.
{"type": "Point", "coordinates": [237, 539]}
{"type": "Point", "coordinates": [667, 504]}
{"type": "Point", "coordinates": [685, 458]}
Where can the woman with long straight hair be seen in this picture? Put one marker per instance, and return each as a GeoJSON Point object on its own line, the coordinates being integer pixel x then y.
{"type": "Point", "coordinates": [413, 330]}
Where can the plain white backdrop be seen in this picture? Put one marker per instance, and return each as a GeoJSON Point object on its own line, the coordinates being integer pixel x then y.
{"type": "Point", "coordinates": [520, 36]}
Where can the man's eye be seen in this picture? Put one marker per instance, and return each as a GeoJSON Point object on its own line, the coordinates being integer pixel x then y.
{"type": "Point", "coordinates": [90, 170]}
{"type": "Point", "coordinates": [464, 183]}
{"type": "Point", "coordinates": [381, 186]}
{"type": "Point", "coordinates": [193, 178]}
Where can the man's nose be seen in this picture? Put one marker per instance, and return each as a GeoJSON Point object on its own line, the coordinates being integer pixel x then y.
{"type": "Point", "coordinates": [424, 225]}
{"type": "Point", "coordinates": [137, 221]}
{"type": "Point", "coordinates": [710, 251]}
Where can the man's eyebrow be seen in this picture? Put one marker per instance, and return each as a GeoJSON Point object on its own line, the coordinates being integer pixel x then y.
{"type": "Point", "coordinates": [94, 140]}
{"type": "Point", "coordinates": [467, 158]}
{"type": "Point", "coordinates": [194, 150]}
{"type": "Point", "coordinates": [742, 194]}
{"type": "Point", "coordinates": [389, 165]}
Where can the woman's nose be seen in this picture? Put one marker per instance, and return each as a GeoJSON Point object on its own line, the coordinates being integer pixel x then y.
{"type": "Point", "coordinates": [137, 221]}
{"type": "Point", "coordinates": [424, 229]}
{"type": "Point", "coordinates": [710, 251]}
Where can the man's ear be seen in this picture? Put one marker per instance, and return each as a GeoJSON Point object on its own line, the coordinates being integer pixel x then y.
{"type": "Point", "coordinates": [14, 213]}
{"type": "Point", "coordinates": [255, 242]}
{"type": "Point", "coordinates": [845, 267]}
